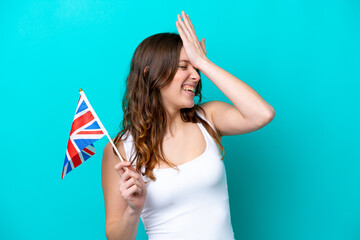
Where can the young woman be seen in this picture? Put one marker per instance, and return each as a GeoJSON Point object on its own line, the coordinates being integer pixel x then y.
{"type": "Point", "coordinates": [175, 178]}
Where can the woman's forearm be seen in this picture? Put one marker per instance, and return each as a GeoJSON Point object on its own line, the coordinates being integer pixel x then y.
{"type": "Point", "coordinates": [126, 228]}
{"type": "Point", "coordinates": [245, 99]}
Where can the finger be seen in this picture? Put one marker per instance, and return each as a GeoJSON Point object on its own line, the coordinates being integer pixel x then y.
{"type": "Point", "coordinates": [131, 191]}
{"type": "Point", "coordinates": [135, 180]}
{"type": "Point", "coordinates": [181, 28]}
{"type": "Point", "coordinates": [202, 43]}
{"type": "Point", "coordinates": [133, 174]}
{"type": "Point", "coordinates": [131, 167]}
{"type": "Point", "coordinates": [130, 182]}
{"type": "Point", "coordinates": [119, 167]}
{"type": "Point", "coordinates": [184, 28]}
{"type": "Point", "coordinates": [122, 164]}
{"type": "Point", "coordinates": [181, 32]}
{"type": "Point", "coordinates": [188, 25]}
{"type": "Point", "coordinates": [125, 176]}
{"type": "Point", "coordinates": [136, 175]}
{"type": "Point", "coordinates": [127, 184]}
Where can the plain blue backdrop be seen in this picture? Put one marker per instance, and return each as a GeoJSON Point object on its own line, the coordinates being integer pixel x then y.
{"type": "Point", "coordinates": [295, 179]}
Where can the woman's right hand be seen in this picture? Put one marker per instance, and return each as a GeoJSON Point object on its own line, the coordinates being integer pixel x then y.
{"type": "Point", "coordinates": [131, 186]}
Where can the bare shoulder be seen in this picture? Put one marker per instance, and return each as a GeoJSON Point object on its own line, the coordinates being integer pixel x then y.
{"type": "Point", "coordinates": [110, 158]}
{"type": "Point", "coordinates": [228, 120]}
{"type": "Point", "coordinates": [211, 108]}
{"type": "Point", "coordinates": [207, 107]}
{"type": "Point", "coordinates": [108, 152]}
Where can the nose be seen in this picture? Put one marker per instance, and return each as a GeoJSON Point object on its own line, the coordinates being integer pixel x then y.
{"type": "Point", "coordinates": [194, 74]}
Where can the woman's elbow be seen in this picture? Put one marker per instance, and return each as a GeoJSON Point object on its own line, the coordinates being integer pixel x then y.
{"type": "Point", "coordinates": [267, 117]}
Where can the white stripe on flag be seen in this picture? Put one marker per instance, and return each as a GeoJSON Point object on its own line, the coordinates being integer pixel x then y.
{"type": "Point", "coordinates": [88, 136]}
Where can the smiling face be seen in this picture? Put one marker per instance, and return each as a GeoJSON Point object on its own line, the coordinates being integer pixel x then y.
{"type": "Point", "coordinates": [181, 91]}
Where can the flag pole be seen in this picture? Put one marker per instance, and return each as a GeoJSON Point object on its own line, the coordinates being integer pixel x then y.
{"type": "Point", "coordinates": [101, 125]}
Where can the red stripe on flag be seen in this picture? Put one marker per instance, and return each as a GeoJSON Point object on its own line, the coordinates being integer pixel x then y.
{"type": "Point", "coordinates": [88, 151]}
{"type": "Point", "coordinates": [76, 160]}
{"type": "Point", "coordinates": [91, 132]}
{"type": "Point", "coordinates": [62, 175]}
{"type": "Point", "coordinates": [81, 121]}
{"type": "Point", "coordinates": [71, 149]}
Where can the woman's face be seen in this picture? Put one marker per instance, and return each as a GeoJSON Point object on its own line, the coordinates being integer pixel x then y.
{"type": "Point", "coordinates": [181, 91]}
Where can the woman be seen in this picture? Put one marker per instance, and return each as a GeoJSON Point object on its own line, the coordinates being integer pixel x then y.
{"type": "Point", "coordinates": [179, 185]}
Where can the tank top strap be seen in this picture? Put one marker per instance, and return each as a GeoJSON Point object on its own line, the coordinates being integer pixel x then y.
{"type": "Point", "coordinates": [207, 135]}
{"type": "Point", "coordinates": [203, 117]}
{"type": "Point", "coordinates": [128, 146]}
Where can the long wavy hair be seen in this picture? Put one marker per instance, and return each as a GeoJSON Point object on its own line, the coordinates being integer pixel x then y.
{"type": "Point", "coordinates": [153, 66]}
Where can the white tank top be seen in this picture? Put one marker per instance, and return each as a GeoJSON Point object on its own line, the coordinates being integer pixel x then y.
{"type": "Point", "coordinates": [191, 203]}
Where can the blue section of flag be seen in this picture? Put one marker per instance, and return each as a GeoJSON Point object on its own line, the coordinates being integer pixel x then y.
{"type": "Point", "coordinates": [66, 160]}
{"type": "Point", "coordinates": [69, 168]}
{"type": "Point", "coordinates": [94, 125]}
{"type": "Point", "coordinates": [86, 156]}
{"type": "Point", "coordinates": [83, 143]}
{"type": "Point", "coordinates": [82, 107]}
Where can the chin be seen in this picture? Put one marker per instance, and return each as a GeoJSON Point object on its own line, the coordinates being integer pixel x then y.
{"type": "Point", "coordinates": [190, 105]}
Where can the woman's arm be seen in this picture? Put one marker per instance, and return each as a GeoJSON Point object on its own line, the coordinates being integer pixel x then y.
{"type": "Point", "coordinates": [121, 220]}
{"type": "Point", "coordinates": [250, 112]}
{"type": "Point", "coordinates": [125, 228]}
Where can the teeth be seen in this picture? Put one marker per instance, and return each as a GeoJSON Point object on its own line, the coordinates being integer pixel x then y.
{"type": "Point", "coordinates": [189, 88]}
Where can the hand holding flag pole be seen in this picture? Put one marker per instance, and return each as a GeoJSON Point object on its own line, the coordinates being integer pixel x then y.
{"type": "Point", "coordinates": [85, 130]}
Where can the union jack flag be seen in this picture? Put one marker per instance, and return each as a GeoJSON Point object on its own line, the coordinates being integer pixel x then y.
{"type": "Point", "coordinates": [85, 130]}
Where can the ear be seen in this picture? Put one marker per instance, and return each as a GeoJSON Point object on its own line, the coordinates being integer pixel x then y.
{"type": "Point", "coordinates": [146, 71]}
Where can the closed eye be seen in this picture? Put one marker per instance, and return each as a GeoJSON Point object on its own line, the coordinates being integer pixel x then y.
{"type": "Point", "coordinates": [185, 67]}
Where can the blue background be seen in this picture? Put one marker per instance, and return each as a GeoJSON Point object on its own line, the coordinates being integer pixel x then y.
{"type": "Point", "coordinates": [296, 178]}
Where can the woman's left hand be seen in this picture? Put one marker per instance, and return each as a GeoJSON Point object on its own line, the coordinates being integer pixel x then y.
{"type": "Point", "coordinates": [194, 49]}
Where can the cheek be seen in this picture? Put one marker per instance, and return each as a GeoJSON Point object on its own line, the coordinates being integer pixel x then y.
{"type": "Point", "coordinates": [175, 86]}
{"type": "Point", "coordinates": [171, 92]}
{"type": "Point", "coordinates": [180, 77]}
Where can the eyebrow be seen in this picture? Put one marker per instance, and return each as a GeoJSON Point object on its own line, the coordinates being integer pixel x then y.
{"type": "Point", "coordinates": [184, 60]}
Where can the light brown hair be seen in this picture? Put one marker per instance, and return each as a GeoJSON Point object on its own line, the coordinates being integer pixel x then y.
{"type": "Point", "coordinates": [153, 66]}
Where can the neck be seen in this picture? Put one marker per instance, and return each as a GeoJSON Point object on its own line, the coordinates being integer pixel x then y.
{"type": "Point", "coordinates": [174, 124]}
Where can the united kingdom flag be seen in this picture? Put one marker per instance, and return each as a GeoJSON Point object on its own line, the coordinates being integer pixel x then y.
{"type": "Point", "coordinates": [85, 130]}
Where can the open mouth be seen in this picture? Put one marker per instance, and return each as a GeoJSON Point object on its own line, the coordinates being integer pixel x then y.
{"type": "Point", "coordinates": [188, 88]}
{"type": "Point", "coordinates": [190, 93]}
